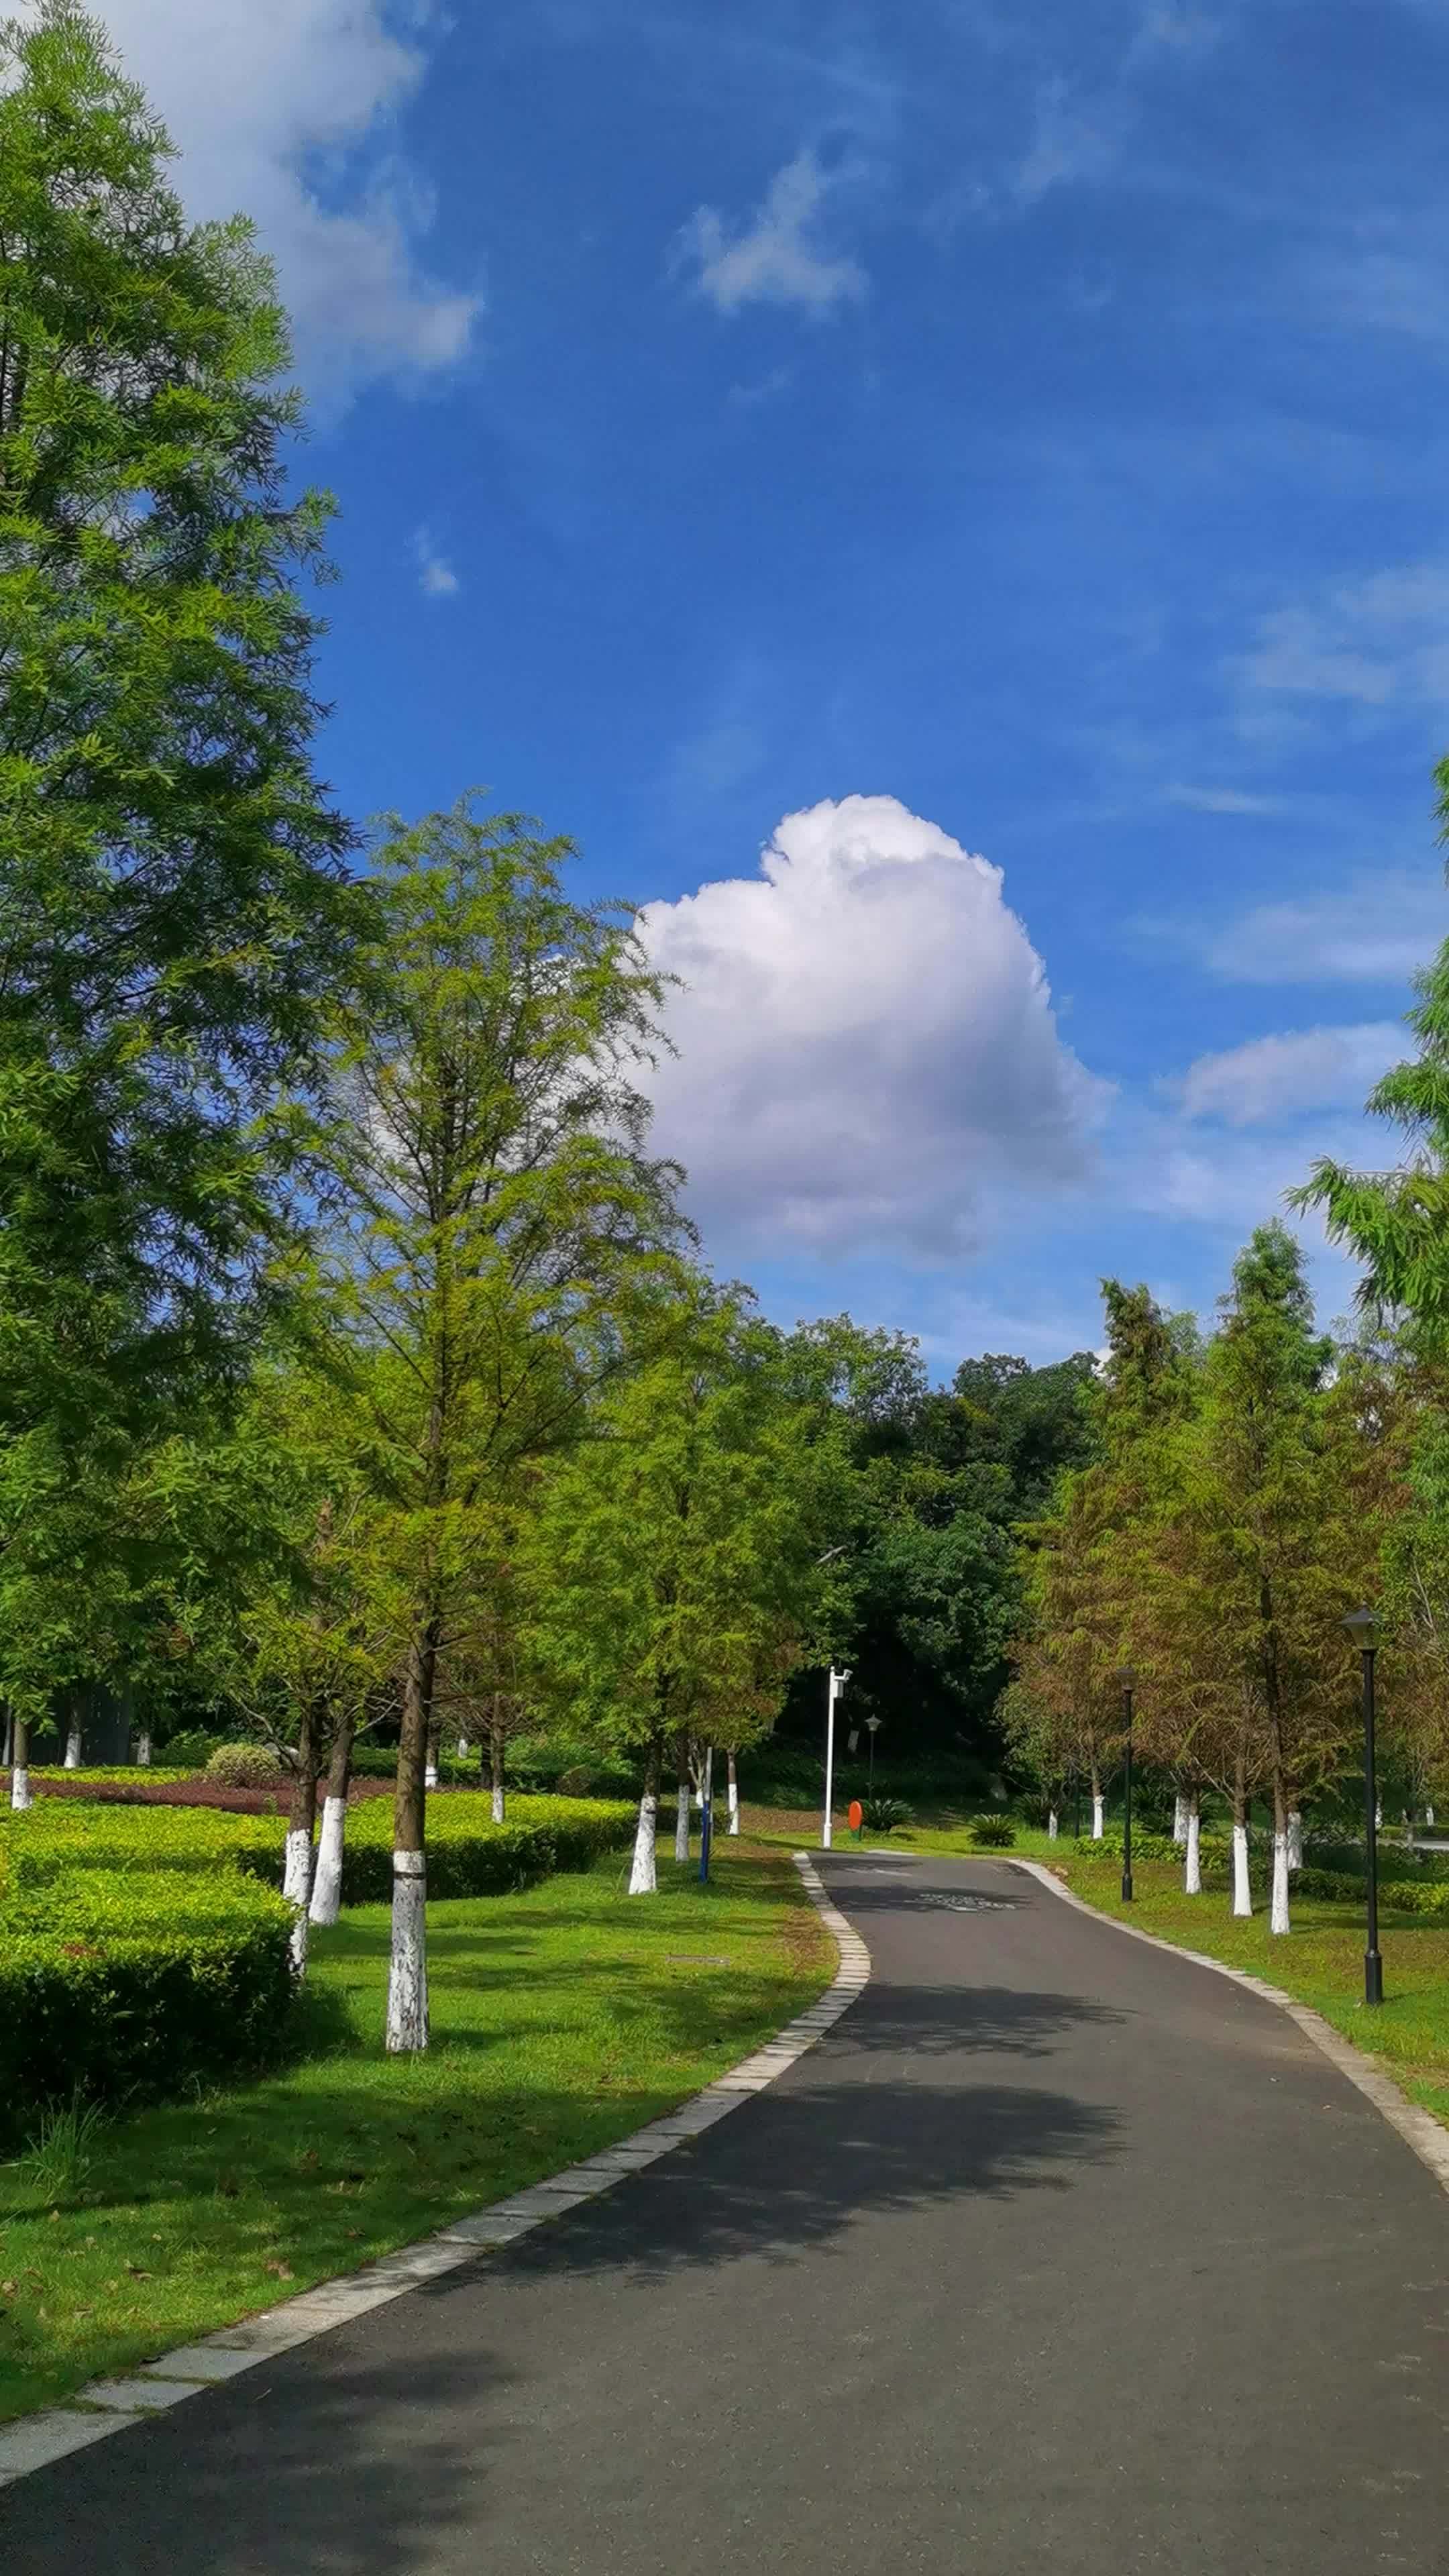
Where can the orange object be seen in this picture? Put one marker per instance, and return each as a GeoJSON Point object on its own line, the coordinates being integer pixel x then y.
{"type": "Point", "coordinates": [856, 1818]}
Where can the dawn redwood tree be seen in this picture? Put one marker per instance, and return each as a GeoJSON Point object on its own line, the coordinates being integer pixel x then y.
{"type": "Point", "coordinates": [494, 1219]}
{"type": "Point", "coordinates": [173, 891]}
{"type": "Point", "coordinates": [675, 1558]}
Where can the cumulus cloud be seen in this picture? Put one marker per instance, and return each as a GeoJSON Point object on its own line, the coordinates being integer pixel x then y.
{"type": "Point", "coordinates": [280, 109]}
{"type": "Point", "coordinates": [778, 257]}
{"type": "Point", "coordinates": [1307, 1069]}
{"type": "Point", "coordinates": [868, 1053]}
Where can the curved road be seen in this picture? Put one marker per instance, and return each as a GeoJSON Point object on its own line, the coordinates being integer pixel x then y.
{"type": "Point", "coordinates": [1058, 2253]}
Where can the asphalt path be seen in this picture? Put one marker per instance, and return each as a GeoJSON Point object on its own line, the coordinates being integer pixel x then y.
{"type": "Point", "coordinates": [1058, 2253]}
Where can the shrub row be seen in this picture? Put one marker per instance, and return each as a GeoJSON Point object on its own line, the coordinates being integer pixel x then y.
{"type": "Point", "coordinates": [468, 1855]}
{"type": "Point", "coordinates": [124, 1986]}
{"type": "Point", "coordinates": [1347, 1887]}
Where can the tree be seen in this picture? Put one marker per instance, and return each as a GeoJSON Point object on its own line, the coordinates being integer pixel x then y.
{"type": "Point", "coordinates": [172, 885]}
{"type": "Point", "coordinates": [494, 1222]}
{"type": "Point", "coordinates": [675, 1567]}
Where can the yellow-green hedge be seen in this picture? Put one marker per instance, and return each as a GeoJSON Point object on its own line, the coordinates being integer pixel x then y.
{"type": "Point", "coordinates": [124, 1985]}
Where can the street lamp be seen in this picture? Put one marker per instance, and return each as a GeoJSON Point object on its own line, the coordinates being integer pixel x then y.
{"type": "Point", "coordinates": [834, 1688]}
{"type": "Point", "coordinates": [1127, 1677]}
{"type": "Point", "coordinates": [1361, 1628]}
{"type": "Point", "coordinates": [873, 1723]}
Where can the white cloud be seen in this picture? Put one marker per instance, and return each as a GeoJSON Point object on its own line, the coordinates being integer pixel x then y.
{"type": "Point", "coordinates": [280, 110]}
{"type": "Point", "coordinates": [1223, 800]}
{"type": "Point", "coordinates": [1365, 641]}
{"type": "Point", "coordinates": [1377, 930]}
{"type": "Point", "coordinates": [777, 258]}
{"type": "Point", "coordinates": [435, 574]}
{"type": "Point", "coordinates": [1307, 1069]}
{"type": "Point", "coordinates": [868, 1054]}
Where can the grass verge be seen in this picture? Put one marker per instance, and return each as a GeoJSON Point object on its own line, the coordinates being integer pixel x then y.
{"type": "Point", "coordinates": [562, 2018]}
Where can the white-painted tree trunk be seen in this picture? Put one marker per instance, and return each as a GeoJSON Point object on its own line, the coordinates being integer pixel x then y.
{"type": "Point", "coordinates": [297, 1867]}
{"type": "Point", "coordinates": [407, 1985]}
{"type": "Point", "coordinates": [734, 1795]}
{"type": "Point", "coordinates": [297, 1946]}
{"type": "Point", "coordinates": [1052, 1827]}
{"type": "Point", "coordinates": [1379, 1817]}
{"type": "Point", "coordinates": [681, 1822]}
{"type": "Point", "coordinates": [143, 1748]}
{"type": "Point", "coordinates": [430, 1775]}
{"type": "Point", "coordinates": [1278, 1912]}
{"type": "Point", "coordinates": [463, 1748]}
{"type": "Point", "coordinates": [1428, 1815]}
{"type": "Point", "coordinates": [642, 1879]}
{"type": "Point", "coordinates": [498, 1802]}
{"type": "Point", "coordinates": [20, 1791]}
{"type": "Point", "coordinates": [1096, 1815]}
{"type": "Point", "coordinates": [1295, 1838]}
{"type": "Point", "coordinates": [1192, 1861]}
{"type": "Point", "coordinates": [72, 1747]}
{"type": "Point", "coordinates": [326, 1902]}
{"type": "Point", "coordinates": [1242, 1892]}
{"type": "Point", "coordinates": [1179, 1817]}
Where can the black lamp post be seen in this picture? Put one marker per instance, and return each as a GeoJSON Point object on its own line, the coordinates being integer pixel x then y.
{"type": "Point", "coordinates": [1362, 1627]}
{"type": "Point", "coordinates": [1127, 1677]}
{"type": "Point", "coordinates": [873, 1723]}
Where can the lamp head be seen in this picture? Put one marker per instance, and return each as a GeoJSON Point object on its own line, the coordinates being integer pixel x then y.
{"type": "Point", "coordinates": [1361, 1627]}
{"type": "Point", "coordinates": [1126, 1675]}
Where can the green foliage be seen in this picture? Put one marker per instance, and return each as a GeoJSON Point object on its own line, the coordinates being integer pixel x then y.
{"type": "Point", "coordinates": [884, 1815]}
{"type": "Point", "coordinates": [244, 1766]}
{"type": "Point", "coordinates": [122, 1986]}
{"type": "Point", "coordinates": [992, 1833]}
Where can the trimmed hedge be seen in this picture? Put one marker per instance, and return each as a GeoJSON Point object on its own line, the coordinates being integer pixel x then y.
{"type": "Point", "coordinates": [468, 1855]}
{"type": "Point", "coordinates": [126, 1985]}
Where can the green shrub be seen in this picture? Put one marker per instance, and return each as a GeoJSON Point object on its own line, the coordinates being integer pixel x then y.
{"type": "Point", "coordinates": [119, 1986]}
{"type": "Point", "coordinates": [992, 1833]}
{"type": "Point", "coordinates": [189, 1751]}
{"type": "Point", "coordinates": [882, 1815]}
{"type": "Point", "coordinates": [244, 1766]}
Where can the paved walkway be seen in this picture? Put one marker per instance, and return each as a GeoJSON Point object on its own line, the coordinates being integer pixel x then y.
{"type": "Point", "coordinates": [1058, 2254]}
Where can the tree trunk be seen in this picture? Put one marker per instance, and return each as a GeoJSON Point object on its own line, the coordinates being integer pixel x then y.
{"type": "Point", "coordinates": [464, 1748]}
{"type": "Point", "coordinates": [73, 1741]}
{"type": "Point", "coordinates": [1179, 1817]}
{"type": "Point", "coordinates": [301, 1825]}
{"type": "Point", "coordinates": [1295, 1838]}
{"type": "Point", "coordinates": [1429, 1817]}
{"type": "Point", "coordinates": [734, 1794]}
{"type": "Point", "coordinates": [143, 1748]}
{"type": "Point", "coordinates": [326, 1902]}
{"type": "Point", "coordinates": [407, 1987]}
{"type": "Point", "coordinates": [496, 1744]}
{"type": "Point", "coordinates": [20, 1763]}
{"type": "Point", "coordinates": [1096, 1804]}
{"type": "Point", "coordinates": [1053, 1827]}
{"type": "Point", "coordinates": [1242, 1891]}
{"type": "Point", "coordinates": [8, 1755]}
{"type": "Point", "coordinates": [1278, 1911]}
{"type": "Point", "coordinates": [681, 1805]}
{"type": "Point", "coordinates": [642, 1879]}
{"type": "Point", "coordinates": [1192, 1865]}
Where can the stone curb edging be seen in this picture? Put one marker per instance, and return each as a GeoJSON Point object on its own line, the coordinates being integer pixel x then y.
{"type": "Point", "coordinates": [109, 2405]}
{"type": "Point", "coordinates": [1418, 2128]}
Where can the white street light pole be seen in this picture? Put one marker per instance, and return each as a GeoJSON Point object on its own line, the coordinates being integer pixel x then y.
{"type": "Point", "coordinates": [833, 1690]}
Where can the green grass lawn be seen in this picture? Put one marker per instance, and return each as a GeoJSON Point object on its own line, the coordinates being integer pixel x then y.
{"type": "Point", "coordinates": [561, 2019]}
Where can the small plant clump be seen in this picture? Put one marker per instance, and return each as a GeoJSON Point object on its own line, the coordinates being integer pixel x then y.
{"type": "Point", "coordinates": [883, 1815]}
{"type": "Point", "coordinates": [244, 1766]}
{"type": "Point", "coordinates": [992, 1833]}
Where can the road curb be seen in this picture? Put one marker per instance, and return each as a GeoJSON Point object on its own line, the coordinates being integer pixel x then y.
{"type": "Point", "coordinates": [1418, 2128]}
{"type": "Point", "coordinates": [108, 2406]}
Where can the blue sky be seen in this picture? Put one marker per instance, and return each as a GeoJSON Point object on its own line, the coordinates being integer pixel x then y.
{"type": "Point", "coordinates": [1027, 420]}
